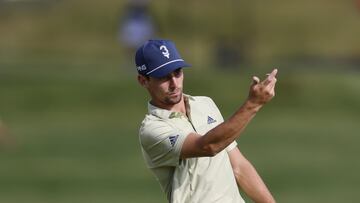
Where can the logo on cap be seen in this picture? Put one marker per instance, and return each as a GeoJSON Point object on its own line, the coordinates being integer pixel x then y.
{"type": "Point", "coordinates": [141, 68]}
{"type": "Point", "coordinates": [165, 52]}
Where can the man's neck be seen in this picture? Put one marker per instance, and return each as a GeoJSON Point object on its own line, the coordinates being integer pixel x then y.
{"type": "Point", "coordinates": [179, 107]}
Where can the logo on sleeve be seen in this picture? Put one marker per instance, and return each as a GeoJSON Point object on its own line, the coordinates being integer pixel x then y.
{"type": "Point", "coordinates": [210, 120]}
{"type": "Point", "coordinates": [173, 140]}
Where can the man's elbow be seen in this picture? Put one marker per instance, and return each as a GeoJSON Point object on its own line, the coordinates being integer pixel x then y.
{"type": "Point", "coordinates": [237, 173]}
{"type": "Point", "coordinates": [211, 150]}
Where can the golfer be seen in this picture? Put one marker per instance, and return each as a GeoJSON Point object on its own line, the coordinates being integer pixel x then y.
{"type": "Point", "coordinates": [184, 139]}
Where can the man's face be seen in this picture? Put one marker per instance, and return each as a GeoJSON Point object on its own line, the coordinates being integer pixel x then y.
{"type": "Point", "coordinates": [166, 91]}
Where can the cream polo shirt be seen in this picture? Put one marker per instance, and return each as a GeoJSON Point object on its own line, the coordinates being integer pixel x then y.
{"type": "Point", "coordinates": [193, 180]}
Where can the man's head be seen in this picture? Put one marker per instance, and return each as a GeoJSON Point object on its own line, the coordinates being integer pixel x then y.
{"type": "Point", "coordinates": [157, 58]}
{"type": "Point", "coordinates": [160, 71]}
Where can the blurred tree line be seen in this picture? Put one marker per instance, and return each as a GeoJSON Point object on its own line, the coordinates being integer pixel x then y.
{"type": "Point", "coordinates": [221, 33]}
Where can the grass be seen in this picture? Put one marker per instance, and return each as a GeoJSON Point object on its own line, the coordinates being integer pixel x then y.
{"type": "Point", "coordinates": [76, 133]}
{"type": "Point", "coordinates": [70, 100]}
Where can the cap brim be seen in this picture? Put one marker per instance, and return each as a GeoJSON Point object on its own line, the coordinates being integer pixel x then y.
{"type": "Point", "coordinates": [165, 70]}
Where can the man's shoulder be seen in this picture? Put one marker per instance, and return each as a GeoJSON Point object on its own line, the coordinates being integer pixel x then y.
{"type": "Point", "coordinates": [202, 102]}
{"type": "Point", "coordinates": [152, 123]}
{"type": "Point", "coordinates": [205, 104]}
{"type": "Point", "coordinates": [153, 130]}
{"type": "Point", "coordinates": [200, 99]}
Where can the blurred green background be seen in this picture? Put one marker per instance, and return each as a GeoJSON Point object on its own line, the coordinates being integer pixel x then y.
{"type": "Point", "coordinates": [70, 106]}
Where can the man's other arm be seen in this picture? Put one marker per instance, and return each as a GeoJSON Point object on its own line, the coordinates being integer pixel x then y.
{"type": "Point", "coordinates": [248, 179]}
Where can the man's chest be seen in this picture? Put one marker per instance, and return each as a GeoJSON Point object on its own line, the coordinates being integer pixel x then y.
{"type": "Point", "coordinates": [200, 120]}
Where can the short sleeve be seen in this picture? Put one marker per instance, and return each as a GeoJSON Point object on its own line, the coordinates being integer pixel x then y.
{"type": "Point", "coordinates": [216, 109]}
{"type": "Point", "coordinates": [161, 143]}
{"type": "Point", "coordinates": [231, 146]}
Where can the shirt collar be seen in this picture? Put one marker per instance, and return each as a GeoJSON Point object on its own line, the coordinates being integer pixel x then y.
{"type": "Point", "coordinates": [166, 114]}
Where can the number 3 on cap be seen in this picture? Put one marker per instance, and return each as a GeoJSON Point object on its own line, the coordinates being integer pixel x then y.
{"type": "Point", "coordinates": [165, 52]}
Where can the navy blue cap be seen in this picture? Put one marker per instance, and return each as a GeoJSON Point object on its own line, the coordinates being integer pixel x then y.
{"type": "Point", "coordinates": [158, 58]}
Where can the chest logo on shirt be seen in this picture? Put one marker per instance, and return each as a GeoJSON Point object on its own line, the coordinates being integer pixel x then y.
{"type": "Point", "coordinates": [173, 140]}
{"type": "Point", "coordinates": [210, 120]}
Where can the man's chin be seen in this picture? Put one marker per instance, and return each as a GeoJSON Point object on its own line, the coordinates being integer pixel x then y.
{"type": "Point", "coordinates": [174, 99]}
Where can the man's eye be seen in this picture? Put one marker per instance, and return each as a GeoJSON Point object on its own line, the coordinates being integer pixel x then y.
{"type": "Point", "coordinates": [163, 79]}
{"type": "Point", "coordinates": [166, 78]}
{"type": "Point", "coordinates": [177, 72]}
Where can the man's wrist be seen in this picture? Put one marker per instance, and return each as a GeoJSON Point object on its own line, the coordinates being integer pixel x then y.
{"type": "Point", "coordinates": [252, 106]}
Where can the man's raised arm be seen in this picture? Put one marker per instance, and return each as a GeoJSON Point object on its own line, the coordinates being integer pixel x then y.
{"type": "Point", "coordinates": [221, 136]}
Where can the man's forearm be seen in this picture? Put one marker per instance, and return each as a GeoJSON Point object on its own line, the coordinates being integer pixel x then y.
{"type": "Point", "coordinates": [221, 136]}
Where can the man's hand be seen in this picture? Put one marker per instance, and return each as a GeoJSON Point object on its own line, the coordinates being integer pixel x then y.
{"type": "Point", "coordinates": [262, 92]}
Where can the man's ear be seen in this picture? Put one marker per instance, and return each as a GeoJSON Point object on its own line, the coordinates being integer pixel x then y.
{"type": "Point", "coordinates": [143, 81]}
